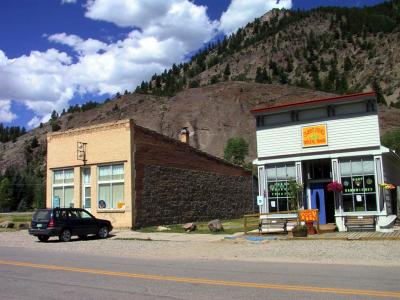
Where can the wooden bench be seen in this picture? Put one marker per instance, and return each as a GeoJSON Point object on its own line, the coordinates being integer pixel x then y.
{"type": "Point", "coordinates": [280, 223]}
{"type": "Point", "coordinates": [360, 223]}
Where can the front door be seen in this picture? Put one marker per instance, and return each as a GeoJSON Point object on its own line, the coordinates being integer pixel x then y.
{"type": "Point", "coordinates": [318, 200]}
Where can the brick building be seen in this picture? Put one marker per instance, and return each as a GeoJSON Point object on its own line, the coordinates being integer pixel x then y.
{"type": "Point", "coordinates": [136, 177]}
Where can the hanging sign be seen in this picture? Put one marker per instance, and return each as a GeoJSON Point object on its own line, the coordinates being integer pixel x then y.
{"type": "Point", "coordinates": [313, 136]}
{"type": "Point", "coordinates": [260, 200]}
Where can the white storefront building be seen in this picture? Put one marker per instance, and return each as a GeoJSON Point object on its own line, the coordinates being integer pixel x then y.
{"type": "Point", "coordinates": [321, 141]}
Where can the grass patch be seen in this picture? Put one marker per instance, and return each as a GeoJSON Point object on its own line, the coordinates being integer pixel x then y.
{"type": "Point", "coordinates": [230, 227]}
{"type": "Point", "coordinates": [16, 218]}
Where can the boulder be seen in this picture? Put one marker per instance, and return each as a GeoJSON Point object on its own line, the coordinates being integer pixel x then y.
{"type": "Point", "coordinates": [7, 224]}
{"type": "Point", "coordinates": [189, 226]}
{"type": "Point", "coordinates": [215, 226]}
{"type": "Point", "coordinates": [162, 228]}
{"type": "Point", "coordinates": [23, 226]}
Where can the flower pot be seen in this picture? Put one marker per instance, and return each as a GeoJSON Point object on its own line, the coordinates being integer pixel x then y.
{"type": "Point", "coordinates": [300, 232]}
{"type": "Point", "coordinates": [310, 228]}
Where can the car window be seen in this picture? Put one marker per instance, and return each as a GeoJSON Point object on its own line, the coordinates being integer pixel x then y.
{"type": "Point", "coordinates": [61, 214]}
{"type": "Point", "coordinates": [41, 215]}
{"type": "Point", "coordinates": [73, 214]}
{"type": "Point", "coordinates": [85, 215]}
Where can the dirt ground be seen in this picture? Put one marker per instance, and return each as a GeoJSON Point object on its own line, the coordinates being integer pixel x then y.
{"type": "Point", "coordinates": [125, 243]}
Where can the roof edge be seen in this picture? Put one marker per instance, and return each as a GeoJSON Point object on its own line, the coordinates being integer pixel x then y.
{"type": "Point", "coordinates": [313, 101]}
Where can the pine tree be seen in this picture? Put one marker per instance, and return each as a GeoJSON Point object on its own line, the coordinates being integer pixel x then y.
{"type": "Point", "coordinates": [227, 72]}
{"type": "Point", "coordinates": [378, 90]}
{"type": "Point", "coordinates": [5, 194]}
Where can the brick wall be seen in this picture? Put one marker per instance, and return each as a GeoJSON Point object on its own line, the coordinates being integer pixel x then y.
{"type": "Point", "coordinates": [175, 183]}
{"type": "Point", "coordinates": [174, 196]}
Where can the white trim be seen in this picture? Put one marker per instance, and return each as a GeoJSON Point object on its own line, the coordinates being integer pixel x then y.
{"type": "Point", "coordinates": [317, 156]}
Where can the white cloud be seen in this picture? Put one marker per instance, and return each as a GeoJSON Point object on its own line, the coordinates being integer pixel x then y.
{"type": "Point", "coordinates": [81, 46]}
{"type": "Point", "coordinates": [5, 111]}
{"type": "Point", "coordinates": [45, 81]}
{"type": "Point", "coordinates": [162, 32]}
{"type": "Point", "coordinates": [241, 12]}
{"type": "Point", "coordinates": [68, 1]}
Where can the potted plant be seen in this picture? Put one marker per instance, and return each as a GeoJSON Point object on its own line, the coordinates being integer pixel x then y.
{"type": "Point", "coordinates": [335, 187]}
{"type": "Point", "coordinates": [295, 191]}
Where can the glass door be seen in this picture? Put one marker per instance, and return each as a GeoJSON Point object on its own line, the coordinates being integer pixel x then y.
{"type": "Point", "coordinates": [86, 189]}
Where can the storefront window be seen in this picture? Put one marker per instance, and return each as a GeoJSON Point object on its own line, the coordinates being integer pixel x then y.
{"type": "Point", "coordinates": [277, 183]}
{"type": "Point", "coordinates": [63, 188]}
{"type": "Point", "coordinates": [111, 185]}
{"type": "Point", "coordinates": [358, 181]}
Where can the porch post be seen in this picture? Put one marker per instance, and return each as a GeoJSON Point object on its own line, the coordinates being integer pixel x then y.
{"type": "Point", "coordinates": [299, 179]}
{"type": "Point", "coordinates": [261, 188]}
{"type": "Point", "coordinates": [336, 177]}
{"type": "Point", "coordinates": [379, 180]}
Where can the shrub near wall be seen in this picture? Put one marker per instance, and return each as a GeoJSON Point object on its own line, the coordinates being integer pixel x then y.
{"type": "Point", "coordinates": [174, 196]}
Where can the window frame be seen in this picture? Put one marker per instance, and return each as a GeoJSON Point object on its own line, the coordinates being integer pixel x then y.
{"type": "Point", "coordinates": [63, 185]}
{"type": "Point", "coordinates": [352, 177]}
{"type": "Point", "coordinates": [285, 181]}
{"type": "Point", "coordinates": [111, 182]}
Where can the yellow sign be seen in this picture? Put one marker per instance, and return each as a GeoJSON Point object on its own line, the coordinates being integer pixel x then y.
{"type": "Point", "coordinates": [308, 215]}
{"type": "Point", "coordinates": [314, 136]}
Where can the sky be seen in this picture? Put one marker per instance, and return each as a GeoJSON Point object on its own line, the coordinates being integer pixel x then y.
{"type": "Point", "coordinates": [54, 53]}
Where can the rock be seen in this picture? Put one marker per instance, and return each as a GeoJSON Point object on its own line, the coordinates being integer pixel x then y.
{"type": "Point", "coordinates": [189, 226]}
{"type": "Point", "coordinates": [7, 224]}
{"type": "Point", "coordinates": [215, 226]}
{"type": "Point", "coordinates": [162, 228]}
{"type": "Point", "coordinates": [23, 226]}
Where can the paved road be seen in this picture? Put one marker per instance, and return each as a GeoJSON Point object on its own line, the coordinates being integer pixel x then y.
{"type": "Point", "coordinates": [38, 274]}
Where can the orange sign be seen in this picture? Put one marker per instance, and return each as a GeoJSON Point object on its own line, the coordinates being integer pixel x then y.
{"type": "Point", "coordinates": [308, 215]}
{"type": "Point", "coordinates": [314, 136]}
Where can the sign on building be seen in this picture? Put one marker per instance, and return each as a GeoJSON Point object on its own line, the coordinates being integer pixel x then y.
{"type": "Point", "coordinates": [313, 136]}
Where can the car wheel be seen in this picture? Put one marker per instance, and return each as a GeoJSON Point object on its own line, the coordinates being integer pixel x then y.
{"type": "Point", "coordinates": [103, 232]}
{"type": "Point", "coordinates": [65, 235]}
{"type": "Point", "coordinates": [43, 238]}
{"type": "Point", "coordinates": [82, 236]}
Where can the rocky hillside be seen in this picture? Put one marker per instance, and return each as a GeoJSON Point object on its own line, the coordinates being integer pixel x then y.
{"type": "Point", "coordinates": [212, 113]}
{"type": "Point", "coordinates": [337, 50]}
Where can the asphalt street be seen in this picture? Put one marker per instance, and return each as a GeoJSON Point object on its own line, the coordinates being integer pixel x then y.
{"type": "Point", "coordinates": [35, 274]}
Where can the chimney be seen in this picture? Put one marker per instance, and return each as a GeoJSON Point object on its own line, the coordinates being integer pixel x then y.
{"type": "Point", "coordinates": [184, 135]}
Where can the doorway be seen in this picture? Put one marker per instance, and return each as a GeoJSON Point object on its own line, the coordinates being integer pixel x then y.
{"type": "Point", "coordinates": [317, 176]}
{"type": "Point", "coordinates": [317, 192]}
{"type": "Point", "coordinates": [86, 189]}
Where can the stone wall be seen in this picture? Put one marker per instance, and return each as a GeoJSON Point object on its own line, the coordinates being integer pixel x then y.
{"type": "Point", "coordinates": [174, 196]}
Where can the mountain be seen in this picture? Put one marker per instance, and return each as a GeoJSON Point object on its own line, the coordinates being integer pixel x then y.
{"type": "Point", "coordinates": [282, 56]}
{"type": "Point", "coordinates": [338, 50]}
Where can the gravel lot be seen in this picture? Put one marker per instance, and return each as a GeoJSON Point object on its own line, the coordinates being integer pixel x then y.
{"type": "Point", "coordinates": [214, 247]}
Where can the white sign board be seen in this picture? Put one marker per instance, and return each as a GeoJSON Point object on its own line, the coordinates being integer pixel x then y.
{"type": "Point", "coordinates": [260, 200]}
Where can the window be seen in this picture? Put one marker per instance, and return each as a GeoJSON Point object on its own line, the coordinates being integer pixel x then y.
{"type": "Point", "coordinates": [358, 181]}
{"type": "Point", "coordinates": [277, 181]}
{"type": "Point", "coordinates": [111, 186]}
{"type": "Point", "coordinates": [86, 189]}
{"type": "Point", "coordinates": [63, 188]}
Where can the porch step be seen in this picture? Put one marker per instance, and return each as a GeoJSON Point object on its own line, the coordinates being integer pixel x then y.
{"type": "Point", "coordinates": [330, 227]}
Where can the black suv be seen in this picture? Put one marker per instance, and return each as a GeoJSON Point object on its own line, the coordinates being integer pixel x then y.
{"type": "Point", "coordinates": [66, 222]}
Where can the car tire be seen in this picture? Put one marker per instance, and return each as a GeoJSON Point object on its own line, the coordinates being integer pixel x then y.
{"type": "Point", "coordinates": [103, 232]}
{"type": "Point", "coordinates": [43, 238]}
{"type": "Point", "coordinates": [82, 236]}
{"type": "Point", "coordinates": [65, 235]}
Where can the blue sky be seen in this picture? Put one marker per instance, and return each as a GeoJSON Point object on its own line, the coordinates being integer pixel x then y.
{"type": "Point", "coordinates": [54, 53]}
